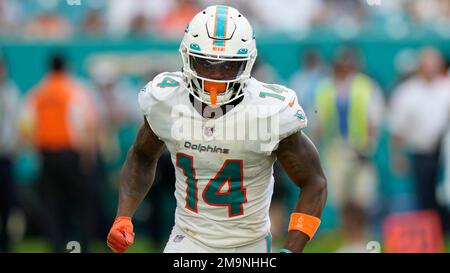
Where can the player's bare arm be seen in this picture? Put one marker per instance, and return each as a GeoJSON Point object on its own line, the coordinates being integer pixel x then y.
{"type": "Point", "coordinates": [299, 158]}
{"type": "Point", "coordinates": [139, 170]}
{"type": "Point", "coordinates": [136, 179]}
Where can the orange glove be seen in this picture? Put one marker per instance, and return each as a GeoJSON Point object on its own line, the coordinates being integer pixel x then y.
{"type": "Point", "coordinates": [121, 235]}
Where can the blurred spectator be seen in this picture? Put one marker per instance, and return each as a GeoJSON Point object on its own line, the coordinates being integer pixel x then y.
{"type": "Point", "coordinates": [139, 26]}
{"type": "Point", "coordinates": [305, 80]}
{"type": "Point", "coordinates": [354, 226]}
{"type": "Point", "coordinates": [48, 26]}
{"type": "Point", "coordinates": [174, 23]}
{"type": "Point", "coordinates": [9, 102]}
{"type": "Point", "coordinates": [58, 120]}
{"type": "Point", "coordinates": [350, 111]}
{"type": "Point", "coordinates": [419, 118]}
{"type": "Point", "coordinates": [93, 24]}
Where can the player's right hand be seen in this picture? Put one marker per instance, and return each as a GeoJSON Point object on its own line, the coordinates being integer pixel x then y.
{"type": "Point", "coordinates": [121, 235]}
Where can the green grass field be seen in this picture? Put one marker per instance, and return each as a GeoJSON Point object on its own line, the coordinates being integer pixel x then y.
{"type": "Point", "coordinates": [325, 243]}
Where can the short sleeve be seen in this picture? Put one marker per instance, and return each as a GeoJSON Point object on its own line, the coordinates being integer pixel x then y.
{"type": "Point", "coordinates": [145, 99]}
{"type": "Point", "coordinates": [290, 119]}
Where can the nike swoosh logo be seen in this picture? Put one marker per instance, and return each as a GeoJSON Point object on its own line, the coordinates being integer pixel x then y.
{"type": "Point", "coordinates": [291, 103]}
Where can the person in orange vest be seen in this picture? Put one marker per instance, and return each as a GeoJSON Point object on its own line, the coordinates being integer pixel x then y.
{"type": "Point", "coordinates": [58, 120]}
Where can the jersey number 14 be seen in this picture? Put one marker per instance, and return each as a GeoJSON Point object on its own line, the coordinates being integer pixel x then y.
{"type": "Point", "coordinates": [231, 174]}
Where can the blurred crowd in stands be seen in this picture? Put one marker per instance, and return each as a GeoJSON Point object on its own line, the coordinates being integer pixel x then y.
{"type": "Point", "coordinates": [77, 128]}
{"type": "Point", "coordinates": [59, 19]}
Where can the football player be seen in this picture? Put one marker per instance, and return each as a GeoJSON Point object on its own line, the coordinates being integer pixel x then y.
{"type": "Point", "coordinates": [211, 117]}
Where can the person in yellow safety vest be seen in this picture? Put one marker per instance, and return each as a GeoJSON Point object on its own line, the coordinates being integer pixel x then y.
{"type": "Point", "coordinates": [349, 109]}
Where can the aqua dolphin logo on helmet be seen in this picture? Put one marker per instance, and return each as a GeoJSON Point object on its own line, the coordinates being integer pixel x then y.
{"type": "Point", "coordinates": [218, 51]}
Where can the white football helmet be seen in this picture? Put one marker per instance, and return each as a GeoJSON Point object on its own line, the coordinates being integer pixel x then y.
{"type": "Point", "coordinates": [218, 51]}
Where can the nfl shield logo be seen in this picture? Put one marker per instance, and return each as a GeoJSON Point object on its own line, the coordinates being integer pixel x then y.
{"type": "Point", "coordinates": [209, 131]}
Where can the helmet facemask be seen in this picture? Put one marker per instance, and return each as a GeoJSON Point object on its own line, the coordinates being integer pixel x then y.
{"type": "Point", "coordinates": [216, 80]}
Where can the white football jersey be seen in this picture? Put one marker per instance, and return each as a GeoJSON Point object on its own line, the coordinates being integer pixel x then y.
{"type": "Point", "coordinates": [224, 166]}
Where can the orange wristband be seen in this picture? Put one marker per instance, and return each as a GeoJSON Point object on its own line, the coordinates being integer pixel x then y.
{"type": "Point", "coordinates": [120, 218]}
{"type": "Point", "coordinates": [305, 223]}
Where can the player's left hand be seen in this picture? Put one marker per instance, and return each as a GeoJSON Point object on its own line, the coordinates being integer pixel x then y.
{"type": "Point", "coordinates": [121, 235]}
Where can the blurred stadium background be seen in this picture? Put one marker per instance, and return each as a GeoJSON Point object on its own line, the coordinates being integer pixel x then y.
{"type": "Point", "coordinates": [386, 152]}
